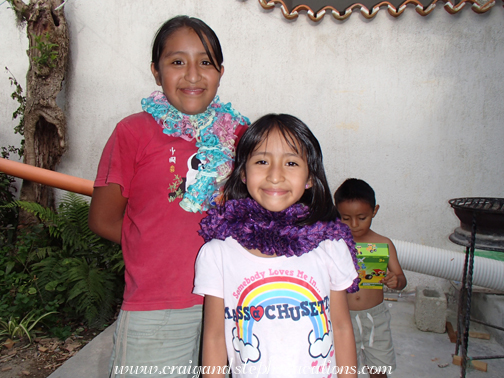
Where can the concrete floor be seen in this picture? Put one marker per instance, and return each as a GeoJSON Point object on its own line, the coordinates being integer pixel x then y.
{"type": "Point", "coordinates": [419, 354]}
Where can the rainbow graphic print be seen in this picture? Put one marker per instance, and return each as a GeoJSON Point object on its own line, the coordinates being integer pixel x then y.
{"type": "Point", "coordinates": [285, 298]}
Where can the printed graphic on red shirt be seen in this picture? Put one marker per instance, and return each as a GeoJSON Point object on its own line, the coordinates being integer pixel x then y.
{"type": "Point", "coordinates": [180, 184]}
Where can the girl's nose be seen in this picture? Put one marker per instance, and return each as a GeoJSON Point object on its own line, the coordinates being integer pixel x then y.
{"type": "Point", "coordinates": [192, 74]}
{"type": "Point", "coordinates": [275, 174]}
{"type": "Point", "coordinates": [353, 223]}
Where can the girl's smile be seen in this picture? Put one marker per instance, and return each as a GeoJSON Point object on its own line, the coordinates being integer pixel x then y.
{"type": "Point", "coordinates": [276, 175]}
{"type": "Point", "coordinates": [188, 78]}
{"type": "Point", "coordinates": [275, 192]}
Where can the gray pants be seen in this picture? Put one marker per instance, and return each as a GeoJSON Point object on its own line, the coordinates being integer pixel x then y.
{"type": "Point", "coordinates": [162, 343]}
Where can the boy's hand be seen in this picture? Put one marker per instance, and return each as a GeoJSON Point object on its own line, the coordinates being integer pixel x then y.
{"type": "Point", "coordinates": [390, 280]}
{"type": "Point", "coordinates": [394, 281]}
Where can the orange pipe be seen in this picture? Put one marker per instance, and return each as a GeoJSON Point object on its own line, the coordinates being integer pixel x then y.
{"type": "Point", "coordinates": [47, 177]}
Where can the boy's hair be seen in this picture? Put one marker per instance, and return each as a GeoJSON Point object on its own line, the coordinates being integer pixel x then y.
{"type": "Point", "coordinates": [299, 137]}
{"type": "Point", "coordinates": [355, 190]}
{"type": "Point", "coordinates": [204, 32]}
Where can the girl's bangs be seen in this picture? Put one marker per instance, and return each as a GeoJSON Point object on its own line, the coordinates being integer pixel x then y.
{"type": "Point", "coordinates": [290, 138]}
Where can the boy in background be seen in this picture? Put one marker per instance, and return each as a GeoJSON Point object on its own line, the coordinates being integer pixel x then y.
{"type": "Point", "coordinates": [356, 204]}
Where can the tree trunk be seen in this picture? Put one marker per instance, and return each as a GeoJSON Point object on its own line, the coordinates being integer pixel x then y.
{"type": "Point", "coordinates": [44, 121]}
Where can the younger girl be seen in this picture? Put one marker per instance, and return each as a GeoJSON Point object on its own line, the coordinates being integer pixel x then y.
{"type": "Point", "coordinates": [275, 267]}
{"type": "Point", "coordinates": [160, 170]}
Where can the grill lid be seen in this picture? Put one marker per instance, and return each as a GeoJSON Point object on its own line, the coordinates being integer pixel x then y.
{"type": "Point", "coordinates": [479, 204]}
{"type": "Point", "coordinates": [489, 216]}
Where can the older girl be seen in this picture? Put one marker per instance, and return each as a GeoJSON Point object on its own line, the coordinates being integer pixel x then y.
{"type": "Point", "coordinates": [160, 171]}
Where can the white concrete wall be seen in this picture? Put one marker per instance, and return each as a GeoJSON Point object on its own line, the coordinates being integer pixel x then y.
{"type": "Point", "coordinates": [413, 105]}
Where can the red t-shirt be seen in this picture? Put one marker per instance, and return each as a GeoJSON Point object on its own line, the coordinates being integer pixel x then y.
{"type": "Point", "coordinates": [159, 239]}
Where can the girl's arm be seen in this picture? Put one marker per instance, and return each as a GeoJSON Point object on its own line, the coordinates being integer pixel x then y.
{"type": "Point", "coordinates": [106, 212]}
{"type": "Point", "coordinates": [214, 342]}
{"type": "Point", "coordinates": [395, 278]}
{"type": "Point", "coordinates": [344, 341]}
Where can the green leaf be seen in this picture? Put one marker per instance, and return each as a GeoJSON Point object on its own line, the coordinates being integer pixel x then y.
{"type": "Point", "coordinates": [51, 286]}
{"type": "Point", "coordinates": [9, 266]}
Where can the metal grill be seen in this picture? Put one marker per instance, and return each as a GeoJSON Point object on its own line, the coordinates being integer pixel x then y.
{"type": "Point", "coordinates": [489, 215]}
{"type": "Point", "coordinates": [479, 204]}
{"type": "Point", "coordinates": [482, 226]}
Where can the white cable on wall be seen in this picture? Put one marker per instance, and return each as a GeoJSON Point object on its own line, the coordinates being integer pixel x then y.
{"type": "Point", "coordinates": [446, 264]}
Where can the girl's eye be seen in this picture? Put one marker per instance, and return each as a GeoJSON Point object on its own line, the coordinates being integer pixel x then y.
{"type": "Point", "coordinates": [292, 164]}
{"type": "Point", "coordinates": [362, 219]}
{"type": "Point", "coordinates": [261, 162]}
{"type": "Point", "coordinates": [177, 62]}
{"type": "Point", "coordinates": [206, 63]}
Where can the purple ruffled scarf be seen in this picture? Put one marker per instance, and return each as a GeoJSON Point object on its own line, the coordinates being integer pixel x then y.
{"type": "Point", "coordinates": [273, 233]}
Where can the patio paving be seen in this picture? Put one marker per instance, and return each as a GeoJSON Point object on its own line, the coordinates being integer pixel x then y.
{"type": "Point", "coordinates": [419, 354]}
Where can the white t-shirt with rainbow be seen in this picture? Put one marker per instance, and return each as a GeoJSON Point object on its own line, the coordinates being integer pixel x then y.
{"type": "Point", "coordinates": [277, 311]}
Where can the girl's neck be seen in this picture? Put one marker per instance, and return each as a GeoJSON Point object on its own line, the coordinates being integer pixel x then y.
{"type": "Point", "coordinates": [258, 253]}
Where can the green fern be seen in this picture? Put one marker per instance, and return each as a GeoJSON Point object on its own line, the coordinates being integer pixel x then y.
{"type": "Point", "coordinates": [51, 274]}
{"type": "Point", "coordinates": [91, 289]}
{"type": "Point", "coordinates": [47, 216]}
{"type": "Point", "coordinates": [75, 232]}
{"type": "Point", "coordinates": [84, 269]}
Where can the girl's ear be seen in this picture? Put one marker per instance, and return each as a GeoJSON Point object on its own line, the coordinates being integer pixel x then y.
{"type": "Point", "coordinates": [309, 184]}
{"type": "Point", "coordinates": [377, 207]}
{"type": "Point", "coordinates": [221, 73]}
{"type": "Point", "coordinates": [156, 74]}
{"type": "Point", "coordinates": [243, 178]}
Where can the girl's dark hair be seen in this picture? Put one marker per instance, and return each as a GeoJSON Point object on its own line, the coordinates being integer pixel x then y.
{"type": "Point", "coordinates": [298, 136]}
{"type": "Point", "coordinates": [355, 190]}
{"type": "Point", "coordinates": [203, 31]}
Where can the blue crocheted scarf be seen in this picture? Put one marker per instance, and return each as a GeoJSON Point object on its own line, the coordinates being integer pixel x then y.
{"type": "Point", "coordinates": [214, 131]}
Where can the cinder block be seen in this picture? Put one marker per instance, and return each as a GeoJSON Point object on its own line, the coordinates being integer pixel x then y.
{"type": "Point", "coordinates": [430, 309]}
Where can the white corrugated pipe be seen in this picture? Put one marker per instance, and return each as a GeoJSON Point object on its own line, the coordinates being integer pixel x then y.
{"type": "Point", "coordinates": [446, 264]}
